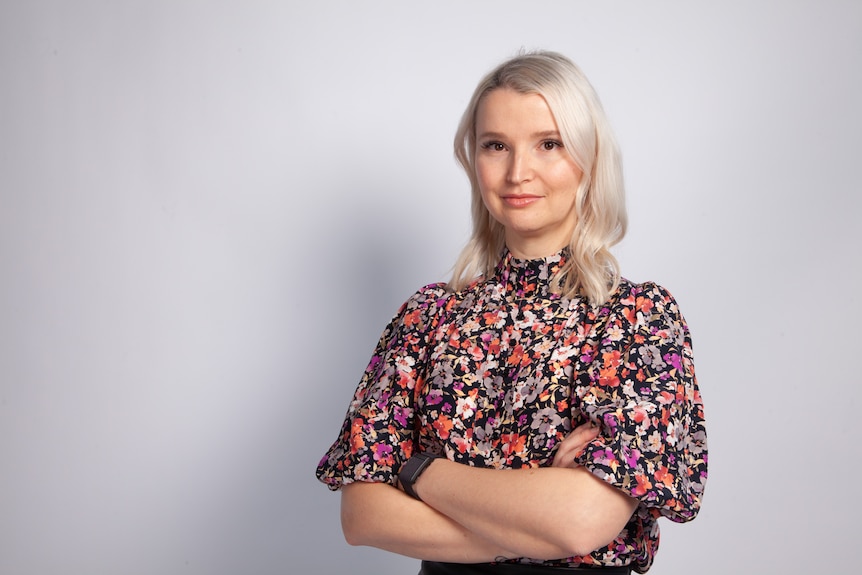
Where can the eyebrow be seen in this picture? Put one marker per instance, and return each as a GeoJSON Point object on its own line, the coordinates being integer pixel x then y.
{"type": "Point", "coordinates": [538, 135]}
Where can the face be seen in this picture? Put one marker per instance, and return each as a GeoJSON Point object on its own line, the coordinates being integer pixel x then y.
{"type": "Point", "coordinates": [527, 179]}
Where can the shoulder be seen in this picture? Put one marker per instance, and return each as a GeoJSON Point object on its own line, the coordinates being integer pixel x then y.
{"type": "Point", "coordinates": [425, 306]}
{"type": "Point", "coordinates": [647, 297]}
{"type": "Point", "coordinates": [645, 305]}
{"type": "Point", "coordinates": [431, 296]}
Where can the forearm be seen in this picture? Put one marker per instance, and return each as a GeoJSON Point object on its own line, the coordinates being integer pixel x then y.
{"type": "Point", "coordinates": [379, 515]}
{"type": "Point", "coordinates": [544, 513]}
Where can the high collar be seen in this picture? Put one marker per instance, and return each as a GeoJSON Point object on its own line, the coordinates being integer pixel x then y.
{"type": "Point", "coordinates": [528, 278]}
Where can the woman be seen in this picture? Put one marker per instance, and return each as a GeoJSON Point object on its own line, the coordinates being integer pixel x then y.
{"type": "Point", "coordinates": [538, 412]}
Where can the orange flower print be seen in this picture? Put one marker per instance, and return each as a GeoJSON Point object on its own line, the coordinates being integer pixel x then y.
{"type": "Point", "coordinates": [443, 425]}
{"type": "Point", "coordinates": [613, 358]}
{"type": "Point", "coordinates": [412, 318]}
{"type": "Point", "coordinates": [513, 444]}
{"type": "Point", "coordinates": [643, 485]}
{"type": "Point", "coordinates": [608, 377]}
{"type": "Point", "coordinates": [517, 354]}
{"type": "Point", "coordinates": [663, 475]}
{"type": "Point", "coordinates": [356, 437]}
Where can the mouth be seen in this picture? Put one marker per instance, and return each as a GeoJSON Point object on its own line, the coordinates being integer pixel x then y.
{"type": "Point", "coordinates": [520, 201]}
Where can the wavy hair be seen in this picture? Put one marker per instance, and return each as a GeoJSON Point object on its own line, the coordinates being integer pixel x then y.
{"type": "Point", "coordinates": [590, 270]}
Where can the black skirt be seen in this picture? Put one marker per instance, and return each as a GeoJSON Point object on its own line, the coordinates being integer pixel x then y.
{"type": "Point", "coordinates": [437, 568]}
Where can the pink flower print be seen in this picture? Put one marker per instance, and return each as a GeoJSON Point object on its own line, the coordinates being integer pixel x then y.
{"type": "Point", "coordinates": [402, 415]}
{"type": "Point", "coordinates": [433, 397]}
{"type": "Point", "coordinates": [674, 360]}
{"type": "Point", "coordinates": [383, 453]}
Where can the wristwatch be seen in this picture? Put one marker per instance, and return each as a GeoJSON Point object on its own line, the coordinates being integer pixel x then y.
{"type": "Point", "coordinates": [412, 469]}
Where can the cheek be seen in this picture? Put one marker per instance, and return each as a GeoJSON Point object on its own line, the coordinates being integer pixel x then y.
{"type": "Point", "coordinates": [490, 172]}
{"type": "Point", "coordinates": [486, 192]}
{"type": "Point", "coordinates": [488, 201]}
{"type": "Point", "coordinates": [483, 176]}
{"type": "Point", "coordinates": [571, 175]}
{"type": "Point", "coordinates": [563, 175]}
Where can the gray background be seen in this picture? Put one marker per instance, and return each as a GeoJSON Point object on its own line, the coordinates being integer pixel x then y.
{"type": "Point", "coordinates": [209, 210]}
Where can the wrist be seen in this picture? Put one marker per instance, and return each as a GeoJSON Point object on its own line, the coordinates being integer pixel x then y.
{"type": "Point", "coordinates": [412, 469]}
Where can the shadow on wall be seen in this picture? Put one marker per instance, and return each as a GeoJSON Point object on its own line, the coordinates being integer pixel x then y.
{"type": "Point", "coordinates": [355, 281]}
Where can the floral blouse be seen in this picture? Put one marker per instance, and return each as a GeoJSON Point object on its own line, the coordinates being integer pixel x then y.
{"type": "Point", "coordinates": [498, 374]}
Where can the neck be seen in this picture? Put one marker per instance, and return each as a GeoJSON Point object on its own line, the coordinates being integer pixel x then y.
{"type": "Point", "coordinates": [525, 250]}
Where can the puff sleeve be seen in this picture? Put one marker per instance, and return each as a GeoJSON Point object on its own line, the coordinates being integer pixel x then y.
{"type": "Point", "coordinates": [640, 386]}
{"type": "Point", "coordinates": [378, 430]}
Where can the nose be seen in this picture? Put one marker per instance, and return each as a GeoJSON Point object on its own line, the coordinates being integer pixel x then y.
{"type": "Point", "coordinates": [520, 167]}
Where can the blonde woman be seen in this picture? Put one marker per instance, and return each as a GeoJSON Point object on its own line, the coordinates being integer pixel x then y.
{"type": "Point", "coordinates": [538, 412]}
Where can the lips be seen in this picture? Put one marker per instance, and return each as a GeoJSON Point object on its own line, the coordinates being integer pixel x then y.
{"type": "Point", "coordinates": [520, 201]}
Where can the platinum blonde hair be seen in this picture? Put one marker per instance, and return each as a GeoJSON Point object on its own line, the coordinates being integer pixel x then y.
{"type": "Point", "coordinates": [591, 270]}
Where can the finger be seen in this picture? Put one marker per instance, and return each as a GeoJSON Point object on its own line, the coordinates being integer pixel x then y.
{"type": "Point", "coordinates": [583, 433]}
{"type": "Point", "coordinates": [573, 443]}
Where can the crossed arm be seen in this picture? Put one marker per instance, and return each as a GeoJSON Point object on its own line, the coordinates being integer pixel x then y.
{"type": "Point", "coordinates": [473, 515]}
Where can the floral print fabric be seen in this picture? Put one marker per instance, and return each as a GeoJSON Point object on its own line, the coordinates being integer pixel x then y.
{"type": "Point", "coordinates": [498, 374]}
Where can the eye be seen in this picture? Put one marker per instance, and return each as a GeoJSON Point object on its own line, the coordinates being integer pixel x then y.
{"type": "Point", "coordinates": [493, 146]}
{"type": "Point", "coordinates": [551, 145]}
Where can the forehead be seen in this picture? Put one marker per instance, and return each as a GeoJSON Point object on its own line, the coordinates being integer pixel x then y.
{"type": "Point", "coordinates": [505, 110]}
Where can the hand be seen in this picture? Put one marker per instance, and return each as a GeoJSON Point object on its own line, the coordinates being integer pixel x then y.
{"type": "Point", "coordinates": [573, 444]}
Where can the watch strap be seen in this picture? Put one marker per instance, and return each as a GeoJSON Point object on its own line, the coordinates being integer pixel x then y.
{"type": "Point", "coordinates": [412, 469]}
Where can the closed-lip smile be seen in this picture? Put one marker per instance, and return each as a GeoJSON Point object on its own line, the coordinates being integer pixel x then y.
{"type": "Point", "coordinates": [520, 200]}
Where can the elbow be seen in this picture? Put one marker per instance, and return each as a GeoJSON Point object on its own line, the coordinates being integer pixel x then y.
{"type": "Point", "coordinates": [560, 546]}
{"type": "Point", "coordinates": [586, 543]}
{"type": "Point", "coordinates": [351, 522]}
{"type": "Point", "coordinates": [358, 512]}
{"type": "Point", "coordinates": [352, 536]}
{"type": "Point", "coordinates": [594, 530]}
{"type": "Point", "coordinates": [577, 538]}
{"type": "Point", "coordinates": [582, 539]}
